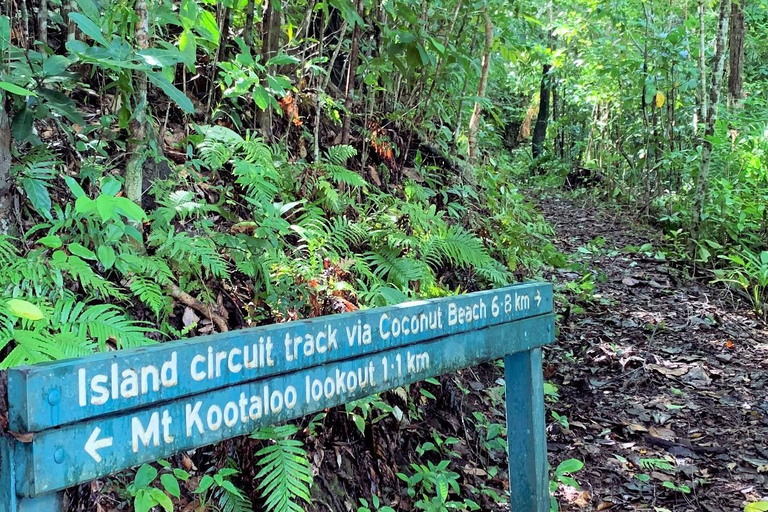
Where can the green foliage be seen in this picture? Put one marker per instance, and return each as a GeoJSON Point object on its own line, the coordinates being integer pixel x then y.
{"type": "Point", "coordinates": [749, 272]}
{"type": "Point", "coordinates": [285, 475]}
{"type": "Point", "coordinates": [147, 494]}
{"type": "Point", "coordinates": [374, 506]}
{"type": "Point", "coordinates": [562, 475]}
{"type": "Point", "coordinates": [431, 486]}
{"type": "Point", "coordinates": [218, 487]}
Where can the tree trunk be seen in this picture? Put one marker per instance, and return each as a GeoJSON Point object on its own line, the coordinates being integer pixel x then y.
{"type": "Point", "coordinates": [42, 22]}
{"type": "Point", "coordinates": [709, 121]}
{"type": "Point", "coordinates": [134, 170]}
{"type": "Point", "coordinates": [736, 59]}
{"type": "Point", "coordinates": [71, 25]}
{"type": "Point", "coordinates": [702, 69]}
{"type": "Point", "coordinates": [226, 18]}
{"type": "Point", "coordinates": [6, 197]}
{"type": "Point", "coordinates": [460, 106]}
{"type": "Point", "coordinates": [474, 121]}
{"type": "Point", "coordinates": [249, 15]}
{"type": "Point", "coordinates": [556, 118]}
{"type": "Point", "coordinates": [351, 74]}
{"type": "Point", "coordinates": [269, 46]}
{"type": "Point", "coordinates": [540, 130]}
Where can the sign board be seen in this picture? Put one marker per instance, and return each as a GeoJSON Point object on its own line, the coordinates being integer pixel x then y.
{"type": "Point", "coordinates": [84, 418]}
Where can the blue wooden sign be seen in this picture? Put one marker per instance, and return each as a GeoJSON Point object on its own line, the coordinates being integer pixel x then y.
{"type": "Point", "coordinates": [77, 420]}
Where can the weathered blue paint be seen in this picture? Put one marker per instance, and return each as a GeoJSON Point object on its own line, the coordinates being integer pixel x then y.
{"type": "Point", "coordinates": [49, 395]}
{"type": "Point", "coordinates": [83, 451]}
{"type": "Point", "coordinates": [526, 432]}
{"type": "Point", "coordinates": [9, 501]}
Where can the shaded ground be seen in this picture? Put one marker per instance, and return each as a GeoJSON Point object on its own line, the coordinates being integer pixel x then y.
{"type": "Point", "coordinates": [661, 379]}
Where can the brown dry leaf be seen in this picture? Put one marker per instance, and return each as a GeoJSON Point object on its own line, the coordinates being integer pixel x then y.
{"type": "Point", "coordinates": [662, 433]}
{"type": "Point", "coordinates": [604, 505]}
{"type": "Point", "coordinates": [375, 178]}
{"type": "Point", "coordinates": [630, 281]}
{"type": "Point", "coordinates": [187, 463]}
{"type": "Point", "coordinates": [582, 500]}
{"type": "Point", "coordinates": [677, 371]}
{"type": "Point", "coordinates": [411, 173]}
{"type": "Point", "coordinates": [636, 428]}
{"type": "Point", "coordinates": [474, 471]}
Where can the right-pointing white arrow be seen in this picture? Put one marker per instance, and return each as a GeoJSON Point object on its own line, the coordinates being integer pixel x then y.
{"type": "Point", "coordinates": [538, 297]}
{"type": "Point", "coordinates": [94, 444]}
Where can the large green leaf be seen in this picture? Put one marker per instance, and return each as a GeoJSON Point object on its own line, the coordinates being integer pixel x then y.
{"type": "Point", "coordinates": [89, 8]}
{"type": "Point", "coordinates": [23, 309]}
{"type": "Point", "coordinates": [181, 99]}
{"type": "Point", "coordinates": [37, 193]}
{"type": "Point", "coordinates": [206, 26]}
{"type": "Point", "coordinates": [15, 89]}
{"type": "Point", "coordinates": [21, 127]}
{"type": "Point", "coordinates": [88, 27]}
{"type": "Point", "coordinates": [5, 33]}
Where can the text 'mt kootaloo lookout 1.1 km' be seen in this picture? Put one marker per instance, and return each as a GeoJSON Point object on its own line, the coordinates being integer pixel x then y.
{"type": "Point", "coordinates": [84, 418]}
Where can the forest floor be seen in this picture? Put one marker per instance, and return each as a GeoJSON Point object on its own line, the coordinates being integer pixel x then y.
{"type": "Point", "coordinates": [661, 379]}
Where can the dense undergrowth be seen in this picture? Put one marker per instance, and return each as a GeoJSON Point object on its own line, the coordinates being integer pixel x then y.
{"type": "Point", "coordinates": [170, 169]}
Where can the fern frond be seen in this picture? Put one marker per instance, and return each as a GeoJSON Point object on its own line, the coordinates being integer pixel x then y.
{"type": "Point", "coordinates": [92, 283]}
{"type": "Point", "coordinates": [286, 474]}
{"type": "Point", "coordinates": [345, 235]}
{"type": "Point", "coordinates": [386, 263]}
{"type": "Point", "coordinates": [199, 252]}
{"type": "Point", "coordinates": [150, 293]}
{"type": "Point", "coordinates": [218, 146]}
{"type": "Point", "coordinates": [495, 273]}
{"type": "Point", "coordinates": [258, 181]}
{"type": "Point", "coordinates": [256, 151]}
{"type": "Point", "coordinates": [104, 322]}
{"type": "Point", "coordinates": [340, 153]}
{"type": "Point", "coordinates": [342, 175]}
{"type": "Point", "coordinates": [32, 347]}
{"type": "Point", "coordinates": [8, 252]}
{"type": "Point", "coordinates": [457, 247]}
{"type": "Point", "coordinates": [231, 502]}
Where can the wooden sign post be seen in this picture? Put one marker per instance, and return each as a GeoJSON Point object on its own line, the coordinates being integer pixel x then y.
{"type": "Point", "coordinates": [77, 420]}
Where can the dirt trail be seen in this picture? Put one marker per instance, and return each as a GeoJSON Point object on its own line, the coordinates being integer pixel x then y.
{"type": "Point", "coordinates": [661, 379]}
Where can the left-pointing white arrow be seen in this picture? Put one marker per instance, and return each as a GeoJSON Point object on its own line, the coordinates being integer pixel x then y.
{"type": "Point", "coordinates": [94, 444]}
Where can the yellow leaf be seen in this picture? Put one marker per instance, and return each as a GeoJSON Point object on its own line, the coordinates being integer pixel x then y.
{"type": "Point", "coordinates": [660, 99]}
{"type": "Point", "coordinates": [758, 506]}
{"type": "Point", "coordinates": [24, 309]}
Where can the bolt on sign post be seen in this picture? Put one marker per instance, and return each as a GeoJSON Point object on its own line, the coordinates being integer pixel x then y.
{"type": "Point", "coordinates": [77, 420]}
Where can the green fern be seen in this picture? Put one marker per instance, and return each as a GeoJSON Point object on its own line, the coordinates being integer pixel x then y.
{"type": "Point", "coordinates": [218, 146]}
{"type": "Point", "coordinates": [342, 175]}
{"type": "Point", "coordinates": [388, 264]}
{"type": "Point", "coordinates": [102, 323]}
{"type": "Point", "coordinates": [69, 329]}
{"type": "Point", "coordinates": [193, 253]}
{"type": "Point", "coordinates": [495, 273]}
{"type": "Point", "coordinates": [340, 153]}
{"type": "Point", "coordinates": [8, 252]}
{"type": "Point", "coordinates": [92, 284]}
{"type": "Point", "coordinates": [229, 501]}
{"type": "Point", "coordinates": [150, 293]}
{"type": "Point", "coordinates": [35, 173]}
{"type": "Point", "coordinates": [285, 474]}
{"type": "Point", "coordinates": [457, 247]}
